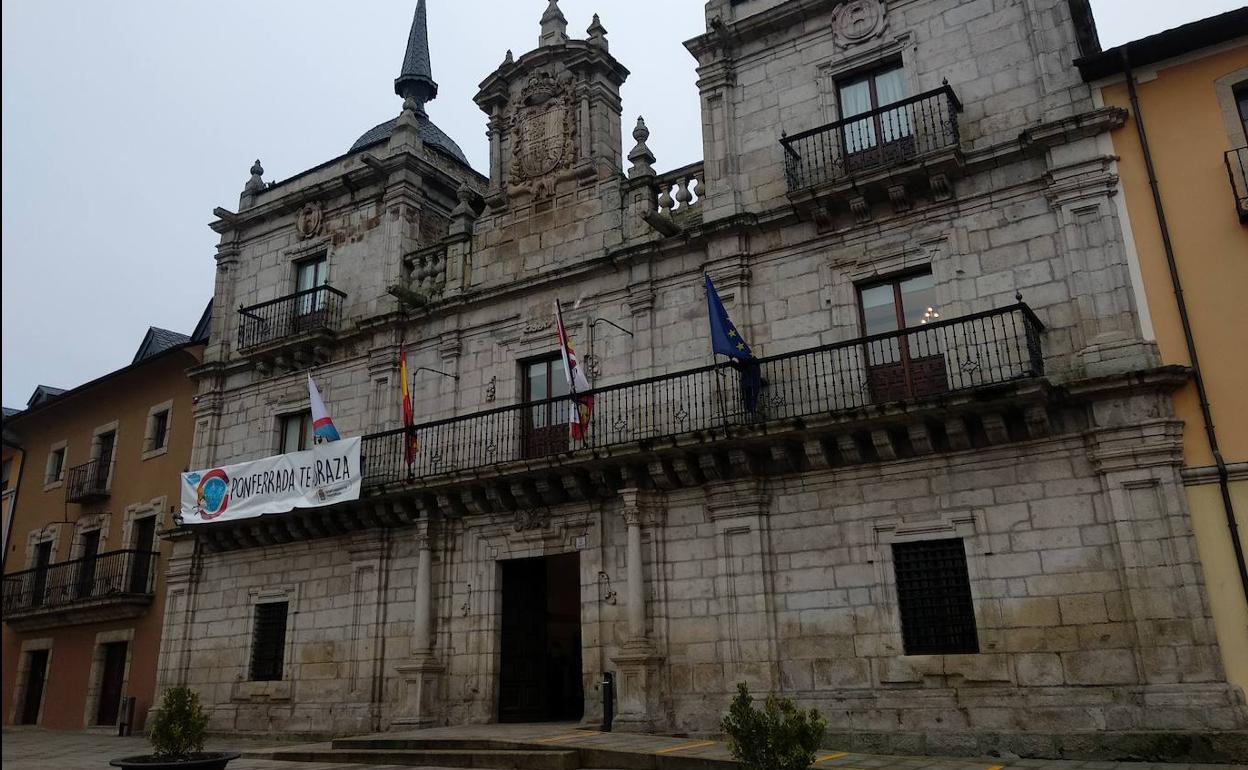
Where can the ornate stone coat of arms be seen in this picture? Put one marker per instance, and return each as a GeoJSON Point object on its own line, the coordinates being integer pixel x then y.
{"type": "Point", "coordinates": [542, 130]}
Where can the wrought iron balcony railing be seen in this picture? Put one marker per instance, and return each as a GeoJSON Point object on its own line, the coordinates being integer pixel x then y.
{"type": "Point", "coordinates": [919, 363]}
{"type": "Point", "coordinates": [1237, 169]}
{"type": "Point", "coordinates": [892, 134]}
{"type": "Point", "coordinates": [87, 482]}
{"type": "Point", "coordinates": [304, 312]}
{"type": "Point", "coordinates": [89, 580]}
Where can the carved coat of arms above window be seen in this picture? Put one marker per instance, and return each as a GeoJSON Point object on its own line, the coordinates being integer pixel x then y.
{"type": "Point", "coordinates": [543, 130]}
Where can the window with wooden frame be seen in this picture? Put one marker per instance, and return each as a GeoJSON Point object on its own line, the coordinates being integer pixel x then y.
{"type": "Point", "coordinates": [883, 134]}
{"type": "Point", "coordinates": [55, 470]}
{"type": "Point", "coordinates": [295, 432]}
{"type": "Point", "coordinates": [310, 274]}
{"type": "Point", "coordinates": [268, 642]}
{"type": "Point", "coordinates": [546, 425]}
{"type": "Point", "coordinates": [934, 598]}
{"type": "Point", "coordinates": [897, 371]}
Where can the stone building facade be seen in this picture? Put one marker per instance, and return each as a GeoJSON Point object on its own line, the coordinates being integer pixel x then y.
{"type": "Point", "coordinates": [952, 519]}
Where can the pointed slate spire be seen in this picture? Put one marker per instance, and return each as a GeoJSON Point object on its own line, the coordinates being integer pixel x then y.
{"type": "Point", "coordinates": [415, 81]}
{"type": "Point", "coordinates": [554, 26]}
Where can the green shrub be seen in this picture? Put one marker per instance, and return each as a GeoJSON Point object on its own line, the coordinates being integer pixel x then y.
{"type": "Point", "coordinates": [780, 736]}
{"type": "Point", "coordinates": [178, 727]}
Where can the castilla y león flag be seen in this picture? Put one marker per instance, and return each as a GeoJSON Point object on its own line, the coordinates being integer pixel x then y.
{"type": "Point", "coordinates": [582, 405]}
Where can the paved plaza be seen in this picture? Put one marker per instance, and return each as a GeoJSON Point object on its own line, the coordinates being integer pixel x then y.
{"type": "Point", "coordinates": [35, 749]}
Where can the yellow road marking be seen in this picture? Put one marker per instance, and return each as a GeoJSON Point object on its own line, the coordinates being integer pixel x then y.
{"type": "Point", "coordinates": [558, 738]}
{"type": "Point", "coordinates": [838, 755]}
{"type": "Point", "coordinates": [684, 746]}
{"type": "Point", "coordinates": [996, 767]}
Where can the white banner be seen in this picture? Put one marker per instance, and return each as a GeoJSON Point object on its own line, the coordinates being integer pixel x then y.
{"type": "Point", "coordinates": [327, 474]}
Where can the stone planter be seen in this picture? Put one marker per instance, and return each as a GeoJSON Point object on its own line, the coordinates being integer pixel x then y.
{"type": "Point", "coordinates": [213, 760]}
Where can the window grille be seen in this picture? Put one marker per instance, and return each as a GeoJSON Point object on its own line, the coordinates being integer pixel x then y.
{"type": "Point", "coordinates": [268, 642]}
{"type": "Point", "coordinates": [934, 596]}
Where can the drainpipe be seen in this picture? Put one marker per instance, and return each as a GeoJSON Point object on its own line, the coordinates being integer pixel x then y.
{"type": "Point", "coordinates": [17, 488]}
{"type": "Point", "coordinates": [1224, 482]}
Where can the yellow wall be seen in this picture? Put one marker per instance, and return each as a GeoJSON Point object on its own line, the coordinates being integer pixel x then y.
{"type": "Point", "coordinates": [127, 399]}
{"type": "Point", "coordinates": [1187, 136]}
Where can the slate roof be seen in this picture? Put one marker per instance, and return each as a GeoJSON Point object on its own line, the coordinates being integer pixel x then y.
{"type": "Point", "coordinates": [43, 393]}
{"type": "Point", "coordinates": [157, 341]}
{"type": "Point", "coordinates": [429, 134]}
{"type": "Point", "coordinates": [10, 411]}
{"type": "Point", "coordinates": [204, 326]}
{"type": "Point", "coordinates": [416, 61]}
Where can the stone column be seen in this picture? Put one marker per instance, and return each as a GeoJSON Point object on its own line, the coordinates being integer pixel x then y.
{"type": "Point", "coordinates": [639, 698]}
{"type": "Point", "coordinates": [422, 674]}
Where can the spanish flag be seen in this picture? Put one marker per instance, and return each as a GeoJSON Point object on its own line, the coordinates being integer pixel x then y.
{"type": "Point", "coordinates": [410, 443]}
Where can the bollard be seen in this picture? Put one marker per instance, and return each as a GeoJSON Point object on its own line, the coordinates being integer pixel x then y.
{"type": "Point", "coordinates": [125, 724]}
{"type": "Point", "coordinates": [608, 700]}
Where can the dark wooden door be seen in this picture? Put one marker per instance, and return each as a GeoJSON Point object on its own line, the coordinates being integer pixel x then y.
{"type": "Point", "coordinates": [111, 681]}
{"type": "Point", "coordinates": [908, 364]}
{"type": "Point", "coordinates": [522, 674]}
{"type": "Point", "coordinates": [39, 584]}
{"type": "Point", "coordinates": [86, 564]}
{"type": "Point", "coordinates": [144, 544]}
{"type": "Point", "coordinates": [36, 671]}
{"type": "Point", "coordinates": [883, 136]}
{"type": "Point", "coordinates": [566, 699]}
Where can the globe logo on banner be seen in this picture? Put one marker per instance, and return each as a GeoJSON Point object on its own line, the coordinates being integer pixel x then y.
{"type": "Point", "coordinates": [212, 493]}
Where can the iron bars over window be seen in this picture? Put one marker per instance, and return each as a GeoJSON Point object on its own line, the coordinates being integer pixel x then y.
{"type": "Point", "coordinates": [314, 310]}
{"type": "Point", "coordinates": [894, 133]}
{"type": "Point", "coordinates": [918, 363]}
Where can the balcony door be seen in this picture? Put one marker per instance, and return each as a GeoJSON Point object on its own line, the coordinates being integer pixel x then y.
{"type": "Point", "coordinates": [144, 545]}
{"type": "Point", "coordinates": [905, 366]}
{"type": "Point", "coordinates": [87, 564]}
{"type": "Point", "coordinates": [106, 444]}
{"type": "Point", "coordinates": [39, 581]}
{"type": "Point", "coordinates": [546, 425]}
{"type": "Point", "coordinates": [309, 308]}
{"type": "Point", "coordinates": [881, 136]}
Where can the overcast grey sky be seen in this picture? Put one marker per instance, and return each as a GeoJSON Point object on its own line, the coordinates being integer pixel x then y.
{"type": "Point", "coordinates": [126, 122]}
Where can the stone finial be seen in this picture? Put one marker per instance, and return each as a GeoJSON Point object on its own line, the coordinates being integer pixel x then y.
{"type": "Point", "coordinates": [466, 196]}
{"type": "Point", "coordinates": [554, 26]}
{"type": "Point", "coordinates": [598, 34]}
{"type": "Point", "coordinates": [509, 59]}
{"type": "Point", "coordinates": [256, 183]}
{"type": "Point", "coordinates": [412, 105]}
{"type": "Point", "coordinates": [641, 157]}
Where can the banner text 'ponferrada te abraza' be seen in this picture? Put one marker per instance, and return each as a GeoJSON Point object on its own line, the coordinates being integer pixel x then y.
{"type": "Point", "coordinates": [327, 474]}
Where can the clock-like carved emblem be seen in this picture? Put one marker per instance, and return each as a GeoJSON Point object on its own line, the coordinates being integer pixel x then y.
{"type": "Point", "coordinates": [542, 129]}
{"type": "Point", "coordinates": [858, 20]}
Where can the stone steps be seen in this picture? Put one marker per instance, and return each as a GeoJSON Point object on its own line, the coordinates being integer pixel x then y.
{"type": "Point", "coordinates": [462, 757]}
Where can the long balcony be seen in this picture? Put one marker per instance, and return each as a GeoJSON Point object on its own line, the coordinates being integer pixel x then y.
{"type": "Point", "coordinates": [924, 365]}
{"type": "Point", "coordinates": [1237, 170]}
{"type": "Point", "coordinates": [101, 587]}
{"type": "Point", "coordinates": [892, 153]}
{"type": "Point", "coordinates": [87, 482]}
{"type": "Point", "coordinates": [291, 325]}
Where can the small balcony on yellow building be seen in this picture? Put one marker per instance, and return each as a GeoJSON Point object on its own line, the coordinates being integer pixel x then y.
{"type": "Point", "coordinates": [96, 588]}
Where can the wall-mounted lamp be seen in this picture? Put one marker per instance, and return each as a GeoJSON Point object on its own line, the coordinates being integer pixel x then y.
{"type": "Point", "coordinates": [420, 369]}
{"type": "Point", "coordinates": [591, 364]}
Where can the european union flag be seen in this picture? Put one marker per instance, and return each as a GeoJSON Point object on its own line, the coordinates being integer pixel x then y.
{"type": "Point", "coordinates": [726, 340]}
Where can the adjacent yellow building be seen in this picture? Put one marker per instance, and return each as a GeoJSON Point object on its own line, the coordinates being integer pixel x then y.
{"type": "Point", "coordinates": [1182, 156]}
